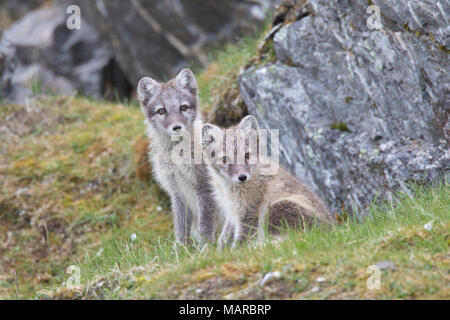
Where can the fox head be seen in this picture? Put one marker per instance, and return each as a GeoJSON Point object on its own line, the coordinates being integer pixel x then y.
{"type": "Point", "coordinates": [232, 153]}
{"type": "Point", "coordinates": [170, 108]}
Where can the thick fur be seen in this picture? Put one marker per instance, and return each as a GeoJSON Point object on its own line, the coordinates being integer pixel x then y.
{"type": "Point", "coordinates": [188, 185]}
{"type": "Point", "coordinates": [262, 201]}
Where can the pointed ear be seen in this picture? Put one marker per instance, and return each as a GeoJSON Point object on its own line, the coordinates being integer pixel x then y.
{"type": "Point", "coordinates": [209, 135]}
{"type": "Point", "coordinates": [248, 123]}
{"type": "Point", "coordinates": [147, 89]}
{"type": "Point", "coordinates": [186, 81]}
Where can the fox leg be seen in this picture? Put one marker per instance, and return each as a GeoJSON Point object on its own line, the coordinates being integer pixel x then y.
{"type": "Point", "coordinates": [180, 220]}
{"type": "Point", "coordinates": [206, 216]}
{"type": "Point", "coordinates": [226, 234]}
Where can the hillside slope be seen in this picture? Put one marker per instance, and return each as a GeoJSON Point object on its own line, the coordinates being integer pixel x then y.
{"type": "Point", "coordinates": [400, 253]}
{"type": "Point", "coordinates": [68, 180]}
{"type": "Point", "coordinates": [71, 196]}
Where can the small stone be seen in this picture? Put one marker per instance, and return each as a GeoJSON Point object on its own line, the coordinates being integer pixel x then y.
{"type": "Point", "coordinates": [321, 279]}
{"type": "Point", "coordinates": [428, 226]}
{"type": "Point", "coordinates": [133, 237]}
{"type": "Point", "coordinates": [269, 277]}
{"type": "Point", "coordinates": [315, 289]}
{"type": "Point", "coordinates": [159, 208]}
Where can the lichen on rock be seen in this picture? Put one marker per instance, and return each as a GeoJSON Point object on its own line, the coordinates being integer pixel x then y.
{"type": "Point", "coordinates": [382, 91]}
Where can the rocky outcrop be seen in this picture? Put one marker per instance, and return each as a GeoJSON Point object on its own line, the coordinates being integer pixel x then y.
{"type": "Point", "coordinates": [50, 58]}
{"type": "Point", "coordinates": [11, 10]}
{"type": "Point", "coordinates": [7, 66]}
{"type": "Point", "coordinates": [362, 112]}
{"type": "Point", "coordinates": [158, 38]}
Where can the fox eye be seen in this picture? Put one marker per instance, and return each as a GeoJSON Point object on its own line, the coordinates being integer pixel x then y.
{"type": "Point", "coordinates": [183, 108]}
{"type": "Point", "coordinates": [161, 111]}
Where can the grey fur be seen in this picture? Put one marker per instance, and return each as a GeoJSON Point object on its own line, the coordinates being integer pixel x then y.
{"type": "Point", "coordinates": [188, 184]}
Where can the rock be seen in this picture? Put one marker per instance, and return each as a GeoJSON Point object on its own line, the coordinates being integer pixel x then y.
{"type": "Point", "coordinates": [8, 64]}
{"type": "Point", "coordinates": [428, 226]}
{"type": "Point", "coordinates": [158, 38]}
{"type": "Point", "coordinates": [315, 289]}
{"type": "Point", "coordinates": [361, 112]}
{"type": "Point", "coordinates": [269, 277]}
{"type": "Point", "coordinates": [388, 264]}
{"type": "Point", "coordinates": [320, 279]}
{"type": "Point", "coordinates": [53, 59]}
{"type": "Point", "coordinates": [11, 10]}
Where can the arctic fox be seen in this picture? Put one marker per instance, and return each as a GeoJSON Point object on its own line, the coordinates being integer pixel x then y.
{"type": "Point", "coordinates": [172, 109]}
{"type": "Point", "coordinates": [250, 200]}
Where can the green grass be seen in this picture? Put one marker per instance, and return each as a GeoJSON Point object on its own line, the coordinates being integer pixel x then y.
{"type": "Point", "coordinates": [226, 64]}
{"type": "Point", "coordinates": [151, 269]}
{"type": "Point", "coordinates": [67, 166]}
{"type": "Point", "coordinates": [71, 195]}
{"type": "Point", "coordinates": [70, 190]}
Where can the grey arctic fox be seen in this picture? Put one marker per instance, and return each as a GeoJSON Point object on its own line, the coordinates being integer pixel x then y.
{"type": "Point", "coordinates": [172, 109]}
{"type": "Point", "coordinates": [250, 200]}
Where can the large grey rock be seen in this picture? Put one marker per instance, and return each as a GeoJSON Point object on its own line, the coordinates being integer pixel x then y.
{"type": "Point", "coordinates": [8, 63]}
{"type": "Point", "coordinates": [158, 38]}
{"type": "Point", "coordinates": [53, 59]}
{"type": "Point", "coordinates": [361, 112]}
{"type": "Point", "coordinates": [11, 10]}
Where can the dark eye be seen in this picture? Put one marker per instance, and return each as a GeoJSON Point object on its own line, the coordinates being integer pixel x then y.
{"type": "Point", "coordinates": [161, 111]}
{"type": "Point", "coordinates": [213, 154]}
{"type": "Point", "coordinates": [247, 156]}
{"type": "Point", "coordinates": [183, 108]}
{"type": "Point", "coordinates": [224, 160]}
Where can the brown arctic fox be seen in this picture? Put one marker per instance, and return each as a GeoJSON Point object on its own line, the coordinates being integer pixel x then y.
{"type": "Point", "coordinates": [250, 199]}
{"type": "Point", "coordinates": [172, 110]}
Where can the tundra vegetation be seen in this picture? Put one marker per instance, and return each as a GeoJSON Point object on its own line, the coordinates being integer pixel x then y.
{"type": "Point", "coordinates": [75, 192]}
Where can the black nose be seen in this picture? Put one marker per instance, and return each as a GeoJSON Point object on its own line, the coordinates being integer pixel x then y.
{"type": "Point", "coordinates": [176, 128]}
{"type": "Point", "coordinates": [242, 177]}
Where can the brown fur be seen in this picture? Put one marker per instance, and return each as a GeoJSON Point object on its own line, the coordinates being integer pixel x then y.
{"type": "Point", "coordinates": [261, 201]}
{"type": "Point", "coordinates": [141, 161]}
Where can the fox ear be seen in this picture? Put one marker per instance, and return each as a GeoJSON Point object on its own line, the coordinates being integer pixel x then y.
{"type": "Point", "coordinates": [248, 123]}
{"type": "Point", "coordinates": [210, 135]}
{"type": "Point", "coordinates": [186, 81]}
{"type": "Point", "coordinates": [147, 90]}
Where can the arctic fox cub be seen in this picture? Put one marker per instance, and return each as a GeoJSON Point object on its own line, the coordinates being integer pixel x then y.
{"type": "Point", "coordinates": [250, 200]}
{"type": "Point", "coordinates": [172, 109]}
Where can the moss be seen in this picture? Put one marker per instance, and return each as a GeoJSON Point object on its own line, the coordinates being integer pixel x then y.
{"type": "Point", "coordinates": [444, 48]}
{"type": "Point", "coordinates": [352, 25]}
{"type": "Point", "coordinates": [78, 166]}
{"type": "Point", "coordinates": [290, 11]}
{"type": "Point", "coordinates": [341, 126]}
{"type": "Point", "coordinates": [230, 110]}
{"type": "Point", "coordinates": [340, 255]}
{"type": "Point", "coordinates": [429, 35]}
{"type": "Point", "coordinates": [267, 54]}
